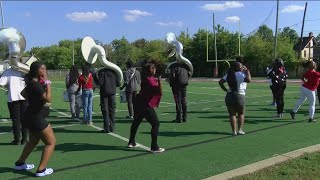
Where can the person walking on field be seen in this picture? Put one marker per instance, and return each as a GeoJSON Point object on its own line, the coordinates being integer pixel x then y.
{"type": "Point", "coordinates": [132, 81]}
{"type": "Point", "coordinates": [179, 78]}
{"type": "Point", "coordinates": [310, 81]}
{"type": "Point", "coordinates": [37, 92]}
{"type": "Point", "coordinates": [147, 100]}
{"type": "Point", "coordinates": [108, 81]}
{"type": "Point", "coordinates": [72, 87]}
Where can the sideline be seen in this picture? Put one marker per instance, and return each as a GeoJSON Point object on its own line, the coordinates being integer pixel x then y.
{"type": "Point", "coordinates": [98, 128]}
{"type": "Point", "coordinates": [278, 158]}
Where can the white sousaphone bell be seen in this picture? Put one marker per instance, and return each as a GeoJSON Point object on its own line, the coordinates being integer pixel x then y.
{"type": "Point", "coordinates": [176, 48]}
{"type": "Point", "coordinates": [91, 51]}
{"type": "Point", "coordinates": [16, 44]}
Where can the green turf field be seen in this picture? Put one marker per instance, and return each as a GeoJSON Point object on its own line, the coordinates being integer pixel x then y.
{"type": "Point", "coordinates": [200, 148]}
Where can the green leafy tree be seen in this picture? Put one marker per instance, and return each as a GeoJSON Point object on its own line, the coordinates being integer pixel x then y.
{"type": "Point", "coordinates": [291, 33]}
{"type": "Point", "coordinates": [265, 33]}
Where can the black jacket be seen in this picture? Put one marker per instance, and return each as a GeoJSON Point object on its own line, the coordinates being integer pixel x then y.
{"type": "Point", "coordinates": [108, 81]}
{"type": "Point", "coordinates": [179, 76]}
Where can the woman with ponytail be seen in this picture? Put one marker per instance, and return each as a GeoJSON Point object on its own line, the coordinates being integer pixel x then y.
{"type": "Point", "coordinates": [237, 78]}
{"type": "Point", "coordinates": [37, 92]}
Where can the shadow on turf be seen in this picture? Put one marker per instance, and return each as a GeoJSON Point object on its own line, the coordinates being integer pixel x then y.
{"type": "Point", "coordinates": [176, 134]}
{"type": "Point", "coordinates": [72, 147]}
{"type": "Point", "coordinates": [10, 169]}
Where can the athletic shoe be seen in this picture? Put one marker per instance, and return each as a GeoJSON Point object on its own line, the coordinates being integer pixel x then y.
{"type": "Point", "coordinates": [240, 132]}
{"type": "Point", "coordinates": [90, 123]}
{"type": "Point", "coordinates": [24, 167]}
{"type": "Point", "coordinates": [312, 120]}
{"type": "Point", "coordinates": [159, 150]}
{"type": "Point", "coordinates": [281, 115]}
{"type": "Point", "coordinates": [132, 145]}
{"type": "Point", "coordinates": [234, 133]}
{"type": "Point", "coordinates": [277, 116]}
{"type": "Point", "coordinates": [45, 172]}
{"type": "Point", "coordinates": [293, 115]}
{"type": "Point", "coordinates": [130, 117]}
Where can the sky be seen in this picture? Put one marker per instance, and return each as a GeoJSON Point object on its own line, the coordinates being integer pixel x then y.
{"type": "Point", "coordinates": [45, 23]}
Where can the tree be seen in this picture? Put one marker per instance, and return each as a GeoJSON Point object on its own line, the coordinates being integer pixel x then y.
{"type": "Point", "coordinates": [318, 38]}
{"type": "Point", "coordinates": [291, 33]}
{"type": "Point", "coordinates": [265, 33]}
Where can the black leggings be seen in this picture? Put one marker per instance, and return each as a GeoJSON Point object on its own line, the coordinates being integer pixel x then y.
{"type": "Point", "coordinates": [151, 116]}
{"type": "Point", "coordinates": [278, 91]}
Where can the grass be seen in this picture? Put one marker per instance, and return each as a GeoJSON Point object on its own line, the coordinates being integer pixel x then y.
{"type": "Point", "coordinates": [305, 167]}
{"type": "Point", "coordinates": [200, 148]}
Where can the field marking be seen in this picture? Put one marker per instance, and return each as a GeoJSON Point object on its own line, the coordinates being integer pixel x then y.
{"type": "Point", "coordinates": [98, 128]}
{"type": "Point", "coordinates": [68, 125]}
{"type": "Point", "coordinates": [163, 114]}
{"type": "Point", "coordinates": [204, 109]}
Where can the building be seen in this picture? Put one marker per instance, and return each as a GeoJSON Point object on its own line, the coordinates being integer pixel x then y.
{"type": "Point", "coordinates": [308, 48]}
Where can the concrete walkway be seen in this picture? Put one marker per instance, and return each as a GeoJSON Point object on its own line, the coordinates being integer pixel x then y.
{"type": "Point", "coordinates": [279, 158]}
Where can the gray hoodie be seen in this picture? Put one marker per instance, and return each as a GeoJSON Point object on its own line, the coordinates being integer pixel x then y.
{"type": "Point", "coordinates": [132, 82]}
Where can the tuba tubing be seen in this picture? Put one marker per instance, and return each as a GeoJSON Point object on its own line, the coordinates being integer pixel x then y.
{"type": "Point", "coordinates": [91, 51]}
{"type": "Point", "coordinates": [16, 44]}
{"type": "Point", "coordinates": [177, 50]}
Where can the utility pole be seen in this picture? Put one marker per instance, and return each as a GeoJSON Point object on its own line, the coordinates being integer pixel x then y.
{"type": "Point", "coordinates": [2, 18]}
{"type": "Point", "coordinates": [239, 39]}
{"type": "Point", "coordinates": [276, 32]}
{"type": "Point", "coordinates": [215, 48]}
{"type": "Point", "coordinates": [301, 38]}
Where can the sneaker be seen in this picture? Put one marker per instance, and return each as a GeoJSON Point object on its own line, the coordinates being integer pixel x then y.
{"type": "Point", "coordinates": [132, 145]}
{"type": "Point", "coordinates": [312, 120]}
{"type": "Point", "coordinates": [45, 172]}
{"type": "Point", "coordinates": [277, 116]}
{"type": "Point", "coordinates": [90, 123]}
{"type": "Point", "coordinates": [273, 104]}
{"type": "Point", "coordinates": [234, 133]}
{"type": "Point", "coordinates": [24, 167]}
{"type": "Point", "coordinates": [240, 132]}
{"type": "Point", "coordinates": [281, 115]}
{"type": "Point", "coordinates": [293, 115]}
{"type": "Point", "coordinates": [159, 150]}
{"type": "Point", "coordinates": [130, 117]}
{"type": "Point", "coordinates": [184, 119]}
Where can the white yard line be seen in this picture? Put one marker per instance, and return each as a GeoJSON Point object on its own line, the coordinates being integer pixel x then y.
{"type": "Point", "coordinates": [98, 128]}
{"type": "Point", "coordinates": [68, 125]}
{"type": "Point", "coordinates": [163, 114]}
{"type": "Point", "coordinates": [204, 109]}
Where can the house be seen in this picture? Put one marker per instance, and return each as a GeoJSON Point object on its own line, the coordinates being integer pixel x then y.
{"type": "Point", "coordinates": [307, 48]}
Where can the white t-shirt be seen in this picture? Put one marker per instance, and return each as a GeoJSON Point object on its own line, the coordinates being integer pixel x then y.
{"type": "Point", "coordinates": [15, 83]}
{"type": "Point", "coordinates": [242, 86]}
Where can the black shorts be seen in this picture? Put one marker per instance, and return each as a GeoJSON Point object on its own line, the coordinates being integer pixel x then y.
{"type": "Point", "coordinates": [35, 122]}
{"type": "Point", "coordinates": [234, 98]}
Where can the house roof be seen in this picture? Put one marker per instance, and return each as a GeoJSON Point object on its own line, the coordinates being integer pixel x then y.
{"type": "Point", "coordinates": [305, 41]}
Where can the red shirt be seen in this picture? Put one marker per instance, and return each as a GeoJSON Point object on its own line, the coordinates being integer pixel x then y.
{"type": "Point", "coordinates": [84, 84]}
{"type": "Point", "coordinates": [312, 79]}
{"type": "Point", "coordinates": [150, 92]}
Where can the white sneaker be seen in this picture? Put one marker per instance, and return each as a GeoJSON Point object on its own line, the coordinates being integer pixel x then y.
{"type": "Point", "coordinates": [24, 167]}
{"type": "Point", "coordinates": [48, 171]}
{"type": "Point", "coordinates": [234, 133]}
{"type": "Point", "coordinates": [160, 150]}
{"type": "Point", "coordinates": [131, 145]}
{"type": "Point", "coordinates": [240, 132]}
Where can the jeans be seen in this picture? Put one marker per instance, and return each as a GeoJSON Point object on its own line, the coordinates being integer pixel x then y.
{"type": "Point", "coordinates": [87, 98]}
{"type": "Point", "coordinates": [17, 110]}
{"type": "Point", "coordinates": [108, 107]}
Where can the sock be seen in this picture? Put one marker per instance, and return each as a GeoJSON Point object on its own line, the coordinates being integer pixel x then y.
{"type": "Point", "coordinates": [19, 163]}
{"type": "Point", "coordinates": [43, 170]}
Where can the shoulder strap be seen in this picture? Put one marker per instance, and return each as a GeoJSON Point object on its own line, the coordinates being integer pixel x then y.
{"type": "Point", "coordinates": [134, 71]}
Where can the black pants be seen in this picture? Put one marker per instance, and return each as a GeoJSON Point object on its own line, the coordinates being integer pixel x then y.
{"type": "Point", "coordinates": [151, 116]}
{"type": "Point", "coordinates": [179, 94]}
{"type": "Point", "coordinates": [108, 106]}
{"type": "Point", "coordinates": [17, 111]}
{"type": "Point", "coordinates": [131, 97]}
{"type": "Point", "coordinates": [278, 91]}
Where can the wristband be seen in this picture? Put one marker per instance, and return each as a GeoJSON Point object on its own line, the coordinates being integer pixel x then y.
{"type": "Point", "coordinates": [47, 82]}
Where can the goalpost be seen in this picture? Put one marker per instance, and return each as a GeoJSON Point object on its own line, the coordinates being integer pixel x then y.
{"type": "Point", "coordinates": [215, 49]}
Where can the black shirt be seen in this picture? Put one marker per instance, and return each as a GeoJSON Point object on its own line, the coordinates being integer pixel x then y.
{"type": "Point", "coordinates": [108, 81]}
{"type": "Point", "coordinates": [35, 91]}
{"type": "Point", "coordinates": [179, 75]}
